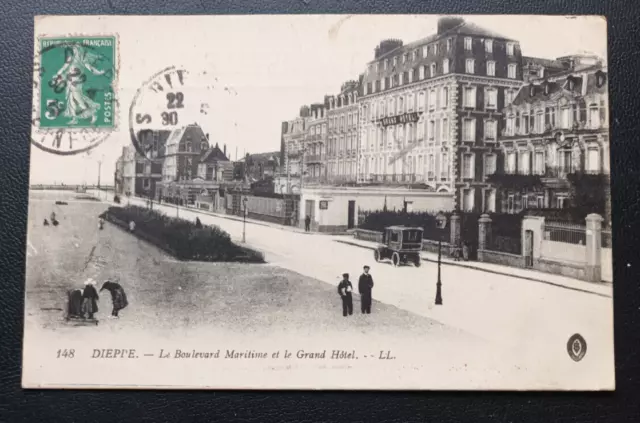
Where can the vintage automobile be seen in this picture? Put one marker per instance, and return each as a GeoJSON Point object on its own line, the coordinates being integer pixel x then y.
{"type": "Point", "coordinates": [401, 244]}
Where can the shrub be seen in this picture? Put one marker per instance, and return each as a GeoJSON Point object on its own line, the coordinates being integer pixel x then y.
{"type": "Point", "coordinates": [182, 237]}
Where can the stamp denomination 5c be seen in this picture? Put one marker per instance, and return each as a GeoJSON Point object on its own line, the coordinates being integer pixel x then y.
{"type": "Point", "coordinates": [76, 82]}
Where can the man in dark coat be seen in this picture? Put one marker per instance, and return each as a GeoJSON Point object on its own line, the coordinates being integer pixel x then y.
{"type": "Point", "coordinates": [365, 285]}
{"type": "Point", "coordinates": [307, 223]}
{"type": "Point", "coordinates": [118, 297]}
{"type": "Point", "coordinates": [89, 299]}
{"type": "Point", "coordinates": [344, 289]}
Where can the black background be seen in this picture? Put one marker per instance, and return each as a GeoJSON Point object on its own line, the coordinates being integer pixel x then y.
{"type": "Point", "coordinates": [17, 405]}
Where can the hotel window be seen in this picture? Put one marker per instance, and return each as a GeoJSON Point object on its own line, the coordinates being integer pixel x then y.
{"type": "Point", "coordinates": [421, 72]}
{"type": "Point", "coordinates": [444, 97]}
{"type": "Point", "coordinates": [561, 202]}
{"type": "Point", "coordinates": [421, 101]}
{"type": "Point", "coordinates": [511, 72]}
{"type": "Point", "coordinates": [509, 96]}
{"type": "Point", "coordinates": [400, 105]}
{"type": "Point", "coordinates": [189, 147]}
{"type": "Point", "coordinates": [420, 131]}
{"type": "Point", "coordinates": [468, 130]}
{"type": "Point", "coordinates": [415, 54]}
{"type": "Point", "coordinates": [431, 166]}
{"type": "Point", "coordinates": [400, 134]}
{"type": "Point", "coordinates": [488, 46]}
{"type": "Point", "coordinates": [445, 129]}
{"type": "Point", "coordinates": [435, 49]}
{"type": "Point", "coordinates": [411, 102]}
{"type": "Point", "coordinates": [410, 133]}
{"type": "Point", "coordinates": [467, 43]}
{"type": "Point", "coordinates": [410, 75]}
{"type": "Point", "coordinates": [449, 43]}
{"type": "Point", "coordinates": [565, 119]}
{"type": "Point", "coordinates": [511, 162]}
{"type": "Point", "coordinates": [381, 110]}
{"type": "Point", "coordinates": [539, 122]}
{"type": "Point", "coordinates": [490, 130]}
{"type": "Point", "coordinates": [445, 66]}
{"type": "Point", "coordinates": [593, 160]}
{"type": "Point", "coordinates": [523, 163]}
{"type": "Point", "coordinates": [386, 64]}
{"type": "Point", "coordinates": [489, 164]}
{"type": "Point", "coordinates": [491, 68]}
{"type": "Point", "coordinates": [432, 99]}
{"type": "Point", "coordinates": [470, 66]}
{"type": "Point", "coordinates": [469, 96]}
{"type": "Point", "coordinates": [395, 61]}
{"type": "Point", "coordinates": [431, 130]}
{"type": "Point", "coordinates": [405, 57]}
{"type": "Point", "coordinates": [490, 200]}
{"type": "Point", "coordinates": [400, 79]}
{"type": "Point", "coordinates": [391, 107]}
{"type": "Point", "coordinates": [538, 163]}
{"type": "Point", "coordinates": [444, 168]}
{"type": "Point", "coordinates": [432, 71]}
{"type": "Point", "coordinates": [491, 99]}
{"type": "Point", "coordinates": [383, 83]}
{"type": "Point", "coordinates": [510, 49]}
{"type": "Point", "coordinates": [467, 166]}
{"type": "Point", "coordinates": [594, 116]}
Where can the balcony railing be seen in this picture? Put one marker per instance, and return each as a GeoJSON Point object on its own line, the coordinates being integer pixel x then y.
{"type": "Point", "coordinates": [313, 158]}
{"type": "Point", "coordinates": [394, 178]}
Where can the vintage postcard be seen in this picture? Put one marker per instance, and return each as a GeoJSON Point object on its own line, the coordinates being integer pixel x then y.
{"type": "Point", "coordinates": [320, 202]}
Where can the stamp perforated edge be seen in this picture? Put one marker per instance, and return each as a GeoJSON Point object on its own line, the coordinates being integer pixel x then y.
{"type": "Point", "coordinates": [36, 87]}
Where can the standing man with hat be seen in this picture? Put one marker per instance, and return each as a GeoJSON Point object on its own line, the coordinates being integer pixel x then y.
{"type": "Point", "coordinates": [365, 285]}
{"type": "Point", "coordinates": [344, 289]}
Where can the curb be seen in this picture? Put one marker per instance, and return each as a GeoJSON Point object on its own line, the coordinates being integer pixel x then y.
{"type": "Point", "coordinates": [586, 291]}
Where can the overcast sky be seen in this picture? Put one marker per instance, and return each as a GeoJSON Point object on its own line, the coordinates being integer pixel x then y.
{"type": "Point", "coordinates": [274, 64]}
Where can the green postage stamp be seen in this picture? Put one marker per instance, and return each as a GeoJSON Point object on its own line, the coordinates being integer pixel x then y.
{"type": "Point", "coordinates": [77, 82]}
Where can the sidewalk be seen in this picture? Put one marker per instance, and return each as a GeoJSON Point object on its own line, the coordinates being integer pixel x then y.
{"type": "Point", "coordinates": [603, 289]}
{"type": "Point", "coordinates": [143, 202]}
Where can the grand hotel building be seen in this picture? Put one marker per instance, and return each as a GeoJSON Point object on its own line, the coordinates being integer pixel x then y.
{"type": "Point", "coordinates": [431, 110]}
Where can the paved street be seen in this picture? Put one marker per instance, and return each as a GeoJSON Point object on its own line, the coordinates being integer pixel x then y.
{"type": "Point", "coordinates": [532, 320]}
{"type": "Point", "coordinates": [504, 329]}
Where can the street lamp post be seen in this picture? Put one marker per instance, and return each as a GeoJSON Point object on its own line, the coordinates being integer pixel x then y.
{"type": "Point", "coordinates": [441, 223]}
{"type": "Point", "coordinates": [244, 220]}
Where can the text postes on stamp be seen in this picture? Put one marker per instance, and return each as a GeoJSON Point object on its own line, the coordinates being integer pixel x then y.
{"type": "Point", "coordinates": [169, 100]}
{"type": "Point", "coordinates": [75, 106]}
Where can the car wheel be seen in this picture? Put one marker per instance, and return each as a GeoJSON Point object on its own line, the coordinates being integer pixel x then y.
{"type": "Point", "coordinates": [376, 255]}
{"type": "Point", "coordinates": [417, 261]}
{"type": "Point", "coordinates": [395, 258]}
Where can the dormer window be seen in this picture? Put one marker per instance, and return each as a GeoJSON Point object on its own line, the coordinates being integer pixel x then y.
{"type": "Point", "coordinates": [572, 84]}
{"type": "Point", "coordinates": [467, 43]}
{"type": "Point", "coordinates": [600, 79]}
{"type": "Point", "coordinates": [395, 61]}
{"type": "Point", "coordinates": [532, 90]}
{"type": "Point", "coordinates": [546, 89]}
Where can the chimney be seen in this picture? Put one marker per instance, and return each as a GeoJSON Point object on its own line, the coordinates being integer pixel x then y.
{"type": "Point", "coordinates": [225, 150]}
{"type": "Point", "coordinates": [207, 137]}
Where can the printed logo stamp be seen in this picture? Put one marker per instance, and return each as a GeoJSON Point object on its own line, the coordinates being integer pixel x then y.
{"type": "Point", "coordinates": [75, 105]}
{"type": "Point", "coordinates": [577, 347]}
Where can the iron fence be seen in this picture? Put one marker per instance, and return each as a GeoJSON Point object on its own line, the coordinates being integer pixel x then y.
{"type": "Point", "coordinates": [569, 233]}
{"type": "Point", "coordinates": [506, 244]}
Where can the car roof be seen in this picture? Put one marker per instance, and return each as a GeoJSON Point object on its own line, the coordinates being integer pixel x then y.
{"type": "Point", "coordinates": [404, 228]}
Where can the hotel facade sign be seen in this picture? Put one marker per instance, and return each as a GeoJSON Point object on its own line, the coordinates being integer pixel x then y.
{"type": "Point", "coordinates": [404, 118]}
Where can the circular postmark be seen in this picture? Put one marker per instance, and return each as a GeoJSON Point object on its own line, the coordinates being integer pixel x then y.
{"type": "Point", "coordinates": [169, 103]}
{"type": "Point", "coordinates": [577, 347]}
{"type": "Point", "coordinates": [74, 102]}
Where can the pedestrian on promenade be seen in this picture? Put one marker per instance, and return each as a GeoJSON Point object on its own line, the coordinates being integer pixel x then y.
{"type": "Point", "coordinates": [118, 297]}
{"type": "Point", "coordinates": [344, 289]}
{"type": "Point", "coordinates": [89, 299]}
{"type": "Point", "coordinates": [46, 222]}
{"type": "Point", "coordinates": [101, 224]}
{"type": "Point", "coordinates": [132, 226]}
{"type": "Point", "coordinates": [365, 285]}
{"type": "Point", "coordinates": [465, 251]}
{"type": "Point", "coordinates": [307, 223]}
{"type": "Point", "coordinates": [198, 223]}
